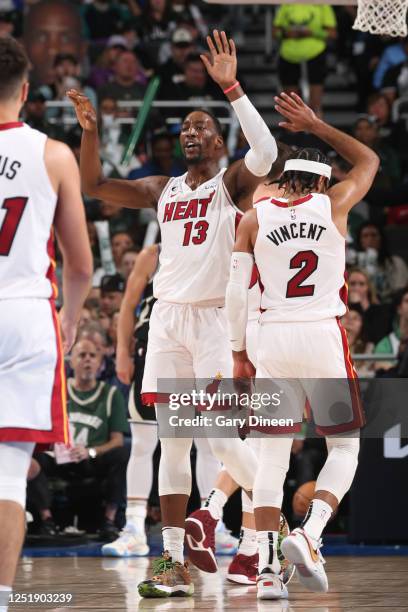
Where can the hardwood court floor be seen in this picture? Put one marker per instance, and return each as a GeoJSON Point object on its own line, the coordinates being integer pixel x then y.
{"type": "Point", "coordinates": [366, 584]}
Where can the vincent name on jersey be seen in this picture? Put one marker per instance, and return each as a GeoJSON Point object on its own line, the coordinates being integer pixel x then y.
{"type": "Point", "coordinates": [8, 168]}
{"type": "Point", "coordinates": [293, 231]}
{"type": "Point", "coordinates": [187, 209]}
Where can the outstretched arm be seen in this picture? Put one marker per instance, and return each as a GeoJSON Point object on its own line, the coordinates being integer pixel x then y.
{"type": "Point", "coordinates": [142, 193]}
{"type": "Point", "coordinates": [242, 177]}
{"type": "Point", "coordinates": [364, 161]}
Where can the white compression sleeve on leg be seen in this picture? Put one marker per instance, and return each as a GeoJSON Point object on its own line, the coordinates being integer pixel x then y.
{"type": "Point", "coordinates": [338, 472]}
{"type": "Point", "coordinates": [15, 458]}
{"type": "Point", "coordinates": [236, 298]}
{"type": "Point", "coordinates": [263, 150]}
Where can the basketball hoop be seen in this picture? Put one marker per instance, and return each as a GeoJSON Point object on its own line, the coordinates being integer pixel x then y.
{"type": "Point", "coordinates": [387, 17]}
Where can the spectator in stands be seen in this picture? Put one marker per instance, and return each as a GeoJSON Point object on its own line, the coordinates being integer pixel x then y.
{"type": "Point", "coordinates": [162, 161]}
{"type": "Point", "coordinates": [126, 84]}
{"type": "Point", "coordinates": [154, 28]}
{"type": "Point", "coordinates": [172, 71]}
{"type": "Point", "coordinates": [98, 335]}
{"type": "Point", "coordinates": [366, 130]}
{"type": "Point", "coordinates": [378, 106]}
{"type": "Point", "coordinates": [112, 289]}
{"type": "Point", "coordinates": [395, 82]}
{"type": "Point", "coordinates": [102, 72]}
{"type": "Point", "coordinates": [304, 31]}
{"type": "Point", "coordinates": [195, 86]}
{"type": "Point", "coordinates": [103, 18]}
{"type": "Point", "coordinates": [389, 345]}
{"type": "Point", "coordinates": [51, 28]}
{"type": "Point", "coordinates": [98, 415]}
{"type": "Point", "coordinates": [7, 23]}
{"type": "Point", "coordinates": [35, 115]}
{"type": "Point", "coordinates": [353, 324]}
{"type": "Point", "coordinates": [120, 219]}
{"type": "Point", "coordinates": [127, 261]}
{"type": "Point", "coordinates": [392, 56]}
{"type": "Point", "coordinates": [362, 296]}
{"type": "Point", "coordinates": [389, 273]}
{"type": "Point", "coordinates": [120, 242]}
{"type": "Point", "coordinates": [187, 11]}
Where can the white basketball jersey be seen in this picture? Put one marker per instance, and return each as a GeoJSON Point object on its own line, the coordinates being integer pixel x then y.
{"type": "Point", "coordinates": [197, 235]}
{"type": "Point", "coordinates": [300, 256]}
{"type": "Point", "coordinates": [254, 295]}
{"type": "Point", "coordinates": [27, 208]}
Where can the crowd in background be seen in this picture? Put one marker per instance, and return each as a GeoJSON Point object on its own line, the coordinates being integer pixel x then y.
{"type": "Point", "coordinates": [111, 49]}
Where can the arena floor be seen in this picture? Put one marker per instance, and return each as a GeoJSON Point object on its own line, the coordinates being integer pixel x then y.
{"type": "Point", "coordinates": [356, 583]}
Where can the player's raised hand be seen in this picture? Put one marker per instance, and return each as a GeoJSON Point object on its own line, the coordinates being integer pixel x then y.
{"type": "Point", "coordinates": [299, 117]}
{"type": "Point", "coordinates": [85, 112]}
{"type": "Point", "coordinates": [222, 65]}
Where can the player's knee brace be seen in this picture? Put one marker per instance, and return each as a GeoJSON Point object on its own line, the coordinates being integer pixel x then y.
{"type": "Point", "coordinates": [273, 465]}
{"type": "Point", "coordinates": [338, 472]}
{"type": "Point", "coordinates": [175, 466]}
{"type": "Point", "coordinates": [15, 460]}
{"type": "Point", "coordinates": [238, 458]}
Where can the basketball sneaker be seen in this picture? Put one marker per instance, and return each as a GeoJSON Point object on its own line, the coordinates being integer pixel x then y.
{"type": "Point", "coordinates": [243, 569]}
{"type": "Point", "coordinates": [225, 543]}
{"type": "Point", "coordinates": [130, 543]}
{"type": "Point", "coordinates": [302, 551]}
{"type": "Point", "coordinates": [270, 586]}
{"type": "Point", "coordinates": [170, 579]}
{"type": "Point", "coordinates": [200, 540]}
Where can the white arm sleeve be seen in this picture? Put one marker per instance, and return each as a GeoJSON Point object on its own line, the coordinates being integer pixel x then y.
{"type": "Point", "coordinates": [236, 298]}
{"type": "Point", "coordinates": [263, 150]}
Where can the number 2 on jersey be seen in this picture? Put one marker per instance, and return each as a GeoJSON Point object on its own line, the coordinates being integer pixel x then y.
{"type": "Point", "coordinates": [14, 211]}
{"type": "Point", "coordinates": [199, 237]}
{"type": "Point", "coordinates": [307, 262]}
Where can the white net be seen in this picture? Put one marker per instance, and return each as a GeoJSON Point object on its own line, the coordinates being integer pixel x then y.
{"type": "Point", "coordinates": [388, 17]}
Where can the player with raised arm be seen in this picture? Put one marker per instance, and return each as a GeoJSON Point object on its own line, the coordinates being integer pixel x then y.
{"type": "Point", "coordinates": [40, 191]}
{"type": "Point", "coordinates": [197, 215]}
{"type": "Point", "coordinates": [298, 243]}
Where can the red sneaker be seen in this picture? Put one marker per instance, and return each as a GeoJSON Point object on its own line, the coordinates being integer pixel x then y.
{"type": "Point", "coordinates": [200, 540]}
{"type": "Point", "coordinates": [243, 569]}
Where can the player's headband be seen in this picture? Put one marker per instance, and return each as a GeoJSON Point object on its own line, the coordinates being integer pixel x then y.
{"type": "Point", "coordinates": [305, 165]}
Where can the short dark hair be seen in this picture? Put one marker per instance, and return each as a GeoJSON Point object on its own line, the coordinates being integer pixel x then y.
{"type": "Point", "coordinates": [215, 120]}
{"type": "Point", "coordinates": [305, 182]}
{"type": "Point", "coordinates": [284, 153]}
{"type": "Point", "coordinates": [13, 67]}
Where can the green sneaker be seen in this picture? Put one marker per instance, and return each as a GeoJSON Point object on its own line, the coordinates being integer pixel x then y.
{"type": "Point", "coordinates": [170, 579]}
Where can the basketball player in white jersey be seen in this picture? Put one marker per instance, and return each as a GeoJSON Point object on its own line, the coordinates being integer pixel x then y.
{"type": "Point", "coordinates": [187, 339]}
{"type": "Point", "coordinates": [298, 243]}
{"type": "Point", "coordinates": [40, 190]}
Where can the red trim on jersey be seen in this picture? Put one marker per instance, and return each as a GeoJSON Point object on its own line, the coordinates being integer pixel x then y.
{"type": "Point", "coordinates": [238, 217]}
{"type": "Point", "coordinates": [343, 293]}
{"type": "Point", "coordinates": [358, 410]}
{"type": "Point", "coordinates": [51, 269]}
{"type": "Point", "coordinates": [261, 200]}
{"type": "Point", "coordinates": [59, 417]}
{"type": "Point", "coordinates": [10, 125]}
{"type": "Point", "coordinates": [293, 203]}
{"type": "Point", "coordinates": [148, 399]}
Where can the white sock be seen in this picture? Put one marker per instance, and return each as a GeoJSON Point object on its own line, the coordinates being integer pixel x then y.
{"type": "Point", "coordinates": [5, 592]}
{"type": "Point", "coordinates": [268, 551]}
{"type": "Point", "coordinates": [173, 542]}
{"type": "Point", "coordinates": [136, 514]}
{"type": "Point", "coordinates": [316, 518]}
{"type": "Point", "coordinates": [247, 542]}
{"type": "Point", "coordinates": [215, 503]}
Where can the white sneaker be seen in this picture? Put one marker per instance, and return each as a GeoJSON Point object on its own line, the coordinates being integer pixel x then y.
{"type": "Point", "coordinates": [130, 543]}
{"type": "Point", "coordinates": [225, 543]}
{"type": "Point", "coordinates": [270, 586]}
{"type": "Point", "coordinates": [300, 550]}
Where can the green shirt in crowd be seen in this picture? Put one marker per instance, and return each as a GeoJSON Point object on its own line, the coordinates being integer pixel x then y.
{"type": "Point", "coordinates": [313, 17]}
{"type": "Point", "coordinates": [95, 414]}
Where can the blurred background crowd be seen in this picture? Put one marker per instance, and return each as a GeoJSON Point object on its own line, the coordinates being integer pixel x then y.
{"type": "Point", "coordinates": [110, 49]}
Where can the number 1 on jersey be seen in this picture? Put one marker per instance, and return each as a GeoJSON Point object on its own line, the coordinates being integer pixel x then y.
{"type": "Point", "coordinates": [15, 208]}
{"type": "Point", "coordinates": [199, 238]}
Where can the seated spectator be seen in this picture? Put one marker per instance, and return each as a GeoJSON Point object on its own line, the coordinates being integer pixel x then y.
{"type": "Point", "coordinates": [127, 261]}
{"type": "Point", "coordinates": [362, 296]}
{"type": "Point", "coordinates": [122, 220]}
{"type": "Point", "coordinates": [395, 83]}
{"type": "Point", "coordinates": [389, 345]}
{"type": "Point", "coordinates": [120, 242]}
{"type": "Point", "coordinates": [187, 11]}
{"type": "Point", "coordinates": [388, 272]}
{"type": "Point", "coordinates": [154, 28]}
{"type": "Point", "coordinates": [162, 161]}
{"type": "Point", "coordinates": [102, 71]}
{"type": "Point", "coordinates": [97, 414]}
{"type": "Point", "coordinates": [353, 324]}
{"type": "Point", "coordinates": [94, 332]}
{"type": "Point", "coordinates": [172, 71]}
{"type": "Point", "coordinates": [366, 130]}
{"type": "Point", "coordinates": [35, 115]}
{"type": "Point", "coordinates": [127, 80]}
{"type": "Point", "coordinates": [392, 56]}
{"type": "Point", "coordinates": [112, 289]}
{"type": "Point", "coordinates": [304, 30]}
{"type": "Point", "coordinates": [378, 106]}
{"type": "Point", "coordinates": [102, 18]}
